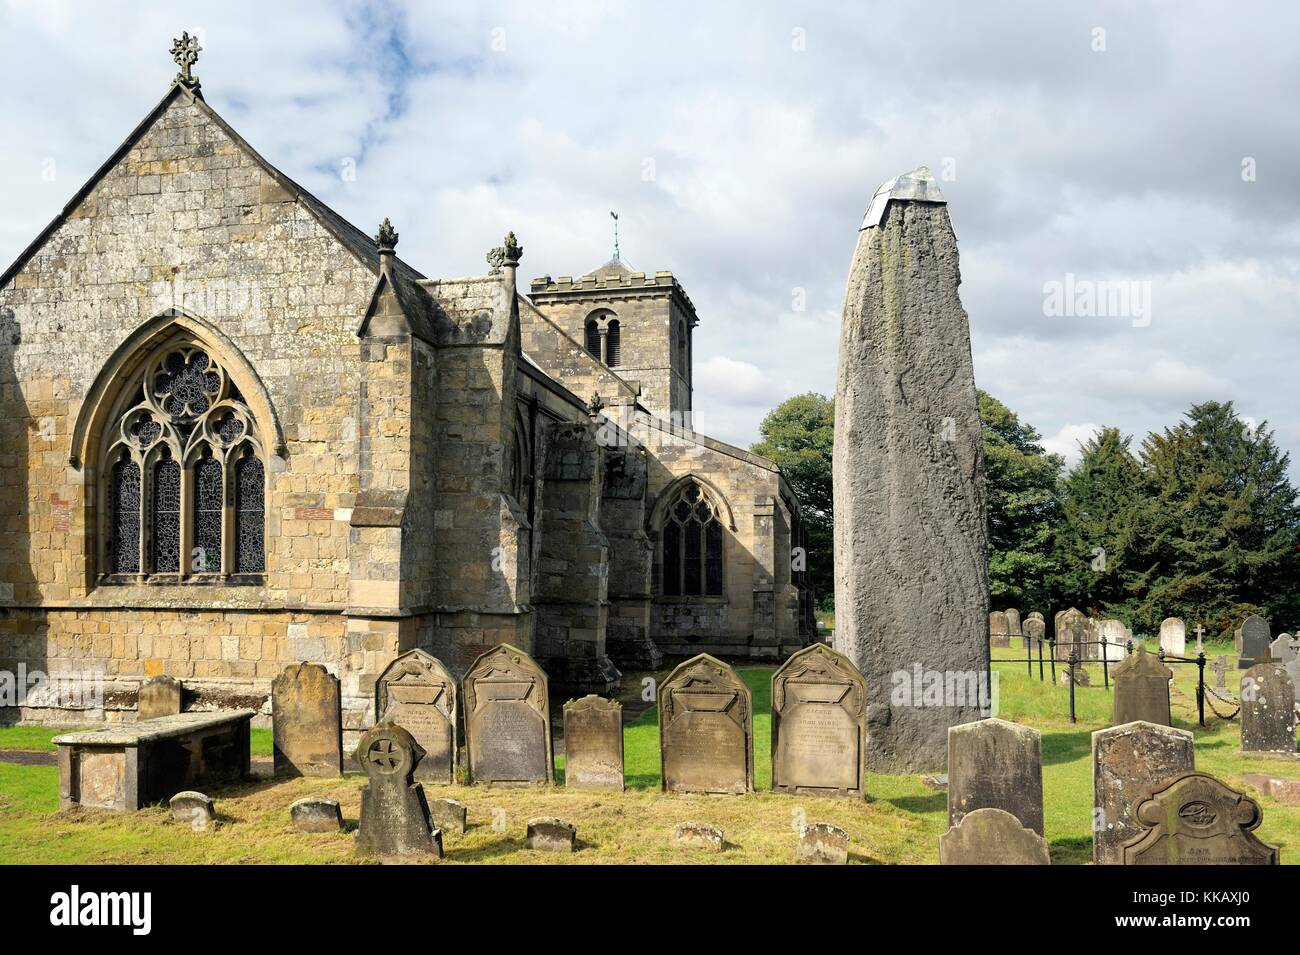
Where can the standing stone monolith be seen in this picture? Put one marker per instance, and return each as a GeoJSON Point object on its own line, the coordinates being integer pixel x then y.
{"type": "Point", "coordinates": [1256, 638]}
{"type": "Point", "coordinates": [1129, 762]}
{"type": "Point", "coordinates": [1267, 710]}
{"type": "Point", "coordinates": [1173, 636]}
{"type": "Point", "coordinates": [908, 477]}
{"type": "Point", "coordinates": [1142, 690]}
{"type": "Point", "coordinates": [395, 818]}
{"type": "Point", "coordinates": [995, 764]}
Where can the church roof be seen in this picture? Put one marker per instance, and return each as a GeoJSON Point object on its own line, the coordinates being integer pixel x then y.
{"type": "Point", "coordinates": [612, 267]}
{"type": "Point", "coordinates": [414, 300]}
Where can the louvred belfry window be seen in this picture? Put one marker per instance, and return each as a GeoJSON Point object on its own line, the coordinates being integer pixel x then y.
{"type": "Point", "coordinates": [692, 546]}
{"type": "Point", "coordinates": [186, 493]}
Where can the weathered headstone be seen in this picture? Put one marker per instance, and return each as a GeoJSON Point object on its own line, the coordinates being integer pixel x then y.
{"type": "Point", "coordinates": [307, 721]}
{"type": "Point", "coordinates": [507, 719]}
{"type": "Point", "coordinates": [1013, 621]}
{"type": "Point", "coordinates": [1035, 631]}
{"type": "Point", "coordinates": [160, 696]}
{"type": "Point", "coordinates": [706, 729]}
{"type": "Point", "coordinates": [1256, 636]}
{"type": "Point", "coordinates": [593, 743]}
{"type": "Point", "coordinates": [1141, 690]}
{"type": "Point", "coordinates": [999, 629]}
{"type": "Point", "coordinates": [193, 809]}
{"type": "Point", "coordinates": [548, 834]}
{"type": "Point", "coordinates": [1267, 710]}
{"type": "Point", "coordinates": [395, 818]}
{"type": "Point", "coordinates": [1220, 668]}
{"type": "Point", "coordinates": [908, 475]}
{"type": "Point", "coordinates": [316, 814]}
{"type": "Point", "coordinates": [1283, 649]}
{"type": "Point", "coordinates": [1114, 637]}
{"type": "Point", "coordinates": [1173, 636]}
{"type": "Point", "coordinates": [1073, 634]}
{"type": "Point", "coordinates": [1285, 792]}
{"type": "Point", "coordinates": [1194, 819]}
{"type": "Point", "coordinates": [450, 815]}
{"type": "Point", "coordinates": [992, 837]}
{"type": "Point", "coordinates": [994, 764]}
{"type": "Point", "coordinates": [698, 835]}
{"type": "Point", "coordinates": [417, 693]}
{"type": "Point", "coordinates": [818, 724]}
{"type": "Point", "coordinates": [823, 844]}
{"type": "Point", "coordinates": [1128, 763]}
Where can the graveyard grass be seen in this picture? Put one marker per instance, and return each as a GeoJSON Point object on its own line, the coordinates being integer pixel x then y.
{"type": "Point", "coordinates": [899, 823]}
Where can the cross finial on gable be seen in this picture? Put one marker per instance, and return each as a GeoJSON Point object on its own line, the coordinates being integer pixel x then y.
{"type": "Point", "coordinates": [185, 52]}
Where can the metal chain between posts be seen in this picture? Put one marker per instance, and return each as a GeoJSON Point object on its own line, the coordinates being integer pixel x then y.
{"type": "Point", "coordinates": [1210, 696]}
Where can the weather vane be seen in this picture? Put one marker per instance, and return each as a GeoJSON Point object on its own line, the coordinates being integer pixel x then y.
{"type": "Point", "coordinates": [185, 52]}
{"type": "Point", "coordinates": [614, 215]}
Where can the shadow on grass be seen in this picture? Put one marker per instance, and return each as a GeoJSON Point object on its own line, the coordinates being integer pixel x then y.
{"type": "Point", "coordinates": [934, 802]}
{"type": "Point", "coordinates": [1066, 747]}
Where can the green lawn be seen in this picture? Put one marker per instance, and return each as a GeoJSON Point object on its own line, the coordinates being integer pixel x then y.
{"type": "Point", "coordinates": [900, 821]}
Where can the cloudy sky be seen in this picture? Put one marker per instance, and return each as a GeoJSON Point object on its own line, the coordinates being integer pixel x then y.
{"type": "Point", "coordinates": [1140, 147]}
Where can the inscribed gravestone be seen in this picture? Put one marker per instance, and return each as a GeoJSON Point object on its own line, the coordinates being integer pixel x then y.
{"type": "Point", "coordinates": [1114, 637]}
{"type": "Point", "coordinates": [1256, 637]}
{"type": "Point", "coordinates": [1220, 669]}
{"type": "Point", "coordinates": [818, 724]}
{"type": "Point", "coordinates": [992, 837]}
{"type": "Point", "coordinates": [1173, 636]}
{"type": "Point", "coordinates": [307, 721]}
{"type": "Point", "coordinates": [706, 729]}
{"type": "Point", "coordinates": [999, 629]}
{"type": "Point", "coordinates": [1196, 820]}
{"type": "Point", "coordinates": [593, 744]}
{"type": "Point", "coordinates": [395, 817]}
{"type": "Point", "coordinates": [1128, 763]}
{"type": "Point", "coordinates": [1141, 690]}
{"type": "Point", "coordinates": [1035, 630]}
{"type": "Point", "coordinates": [160, 696]}
{"type": "Point", "coordinates": [1013, 621]}
{"type": "Point", "coordinates": [1283, 649]}
{"type": "Point", "coordinates": [418, 693]}
{"type": "Point", "coordinates": [908, 474]}
{"type": "Point", "coordinates": [1267, 710]}
{"type": "Point", "coordinates": [507, 719]}
{"type": "Point", "coordinates": [1073, 635]}
{"type": "Point", "coordinates": [995, 764]}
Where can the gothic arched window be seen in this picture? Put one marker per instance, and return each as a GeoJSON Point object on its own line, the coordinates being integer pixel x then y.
{"type": "Point", "coordinates": [187, 490]}
{"type": "Point", "coordinates": [692, 546]}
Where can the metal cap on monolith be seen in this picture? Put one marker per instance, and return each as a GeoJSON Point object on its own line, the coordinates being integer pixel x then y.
{"type": "Point", "coordinates": [911, 572]}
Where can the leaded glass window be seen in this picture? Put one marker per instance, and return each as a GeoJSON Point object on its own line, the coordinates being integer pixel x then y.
{"type": "Point", "coordinates": [692, 546]}
{"type": "Point", "coordinates": [126, 517]}
{"type": "Point", "coordinates": [183, 425]}
{"type": "Point", "coordinates": [250, 552]}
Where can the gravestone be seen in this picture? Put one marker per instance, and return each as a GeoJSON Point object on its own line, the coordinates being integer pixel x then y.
{"type": "Point", "coordinates": [160, 696]}
{"type": "Point", "coordinates": [307, 721]}
{"type": "Point", "coordinates": [194, 810]}
{"type": "Point", "coordinates": [999, 629]}
{"type": "Point", "coordinates": [1141, 690]}
{"type": "Point", "coordinates": [1255, 640]}
{"type": "Point", "coordinates": [908, 475]}
{"type": "Point", "coordinates": [548, 834]}
{"type": "Point", "coordinates": [507, 719]}
{"type": "Point", "coordinates": [994, 764]}
{"type": "Point", "coordinates": [1173, 636]}
{"type": "Point", "coordinates": [450, 815]}
{"type": "Point", "coordinates": [706, 729]}
{"type": "Point", "coordinates": [823, 844]}
{"type": "Point", "coordinates": [395, 818]}
{"type": "Point", "coordinates": [1267, 710]}
{"type": "Point", "coordinates": [1114, 637]}
{"type": "Point", "coordinates": [1128, 763]}
{"type": "Point", "coordinates": [1073, 635]}
{"type": "Point", "coordinates": [1035, 631]}
{"type": "Point", "coordinates": [417, 693]}
{"type": "Point", "coordinates": [316, 814]}
{"type": "Point", "coordinates": [593, 744]}
{"type": "Point", "coordinates": [1283, 649]}
{"type": "Point", "coordinates": [1194, 819]}
{"type": "Point", "coordinates": [992, 837]}
{"type": "Point", "coordinates": [698, 835]}
{"type": "Point", "coordinates": [1013, 621]}
{"type": "Point", "coordinates": [1220, 669]}
{"type": "Point", "coordinates": [1236, 639]}
{"type": "Point", "coordinates": [818, 724]}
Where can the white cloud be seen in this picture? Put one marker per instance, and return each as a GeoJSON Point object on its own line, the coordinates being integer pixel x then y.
{"type": "Point", "coordinates": [1066, 441]}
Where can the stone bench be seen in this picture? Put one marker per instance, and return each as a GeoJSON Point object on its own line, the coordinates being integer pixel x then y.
{"type": "Point", "coordinates": [138, 764]}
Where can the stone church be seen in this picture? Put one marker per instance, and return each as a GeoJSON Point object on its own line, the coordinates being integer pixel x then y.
{"type": "Point", "coordinates": [236, 432]}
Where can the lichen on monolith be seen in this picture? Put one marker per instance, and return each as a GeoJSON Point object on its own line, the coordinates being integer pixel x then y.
{"type": "Point", "coordinates": [911, 539]}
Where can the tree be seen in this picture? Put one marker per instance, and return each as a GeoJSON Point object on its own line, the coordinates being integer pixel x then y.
{"type": "Point", "coordinates": [1020, 485]}
{"type": "Point", "coordinates": [1100, 539]}
{"type": "Point", "coordinates": [799, 435]}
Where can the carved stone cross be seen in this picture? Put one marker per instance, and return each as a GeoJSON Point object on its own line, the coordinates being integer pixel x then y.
{"type": "Point", "coordinates": [185, 52]}
{"type": "Point", "coordinates": [1220, 671]}
{"type": "Point", "coordinates": [1200, 634]}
